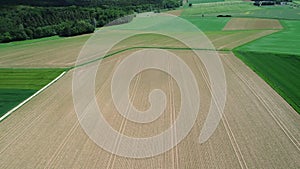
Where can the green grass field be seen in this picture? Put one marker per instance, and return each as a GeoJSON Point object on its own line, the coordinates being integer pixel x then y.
{"type": "Point", "coordinates": [18, 84]}
{"type": "Point", "coordinates": [203, 1]}
{"type": "Point", "coordinates": [277, 12]}
{"type": "Point", "coordinates": [285, 41]}
{"type": "Point", "coordinates": [214, 8]}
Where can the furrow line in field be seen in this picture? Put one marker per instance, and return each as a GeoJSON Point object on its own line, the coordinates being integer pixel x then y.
{"type": "Point", "coordinates": [63, 143]}
{"type": "Point", "coordinates": [229, 132]}
{"type": "Point", "coordinates": [234, 142]}
{"type": "Point", "coordinates": [172, 120]}
{"type": "Point", "coordinates": [30, 125]}
{"type": "Point", "coordinates": [277, 120]}
{"type": "Point", "coordinates": [112, 158]}
{"type": "Point", "coordinates": [20, 123]}
{"type": "Point", "coordinates": [73, 129]}
{"type": "Point", "coordinates": [32, 96]}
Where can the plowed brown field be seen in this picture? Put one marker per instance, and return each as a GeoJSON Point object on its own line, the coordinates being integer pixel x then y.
{"type": "Point", "coordinates": [252, 24]}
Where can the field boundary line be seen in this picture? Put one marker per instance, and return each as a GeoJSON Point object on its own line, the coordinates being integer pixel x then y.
{"type": "Point", "coordinates": [175, 152]}
{"type": "Point", "coordinates": [32, 96]}
{"type": "Point", "coordinates": [122, 127]}
{"type": "Point", "coordinates": [72, 130]}
{"type": "Point", "coordinates": [233, 141]}
{"type": "Point", "coordinates": [275, 117]}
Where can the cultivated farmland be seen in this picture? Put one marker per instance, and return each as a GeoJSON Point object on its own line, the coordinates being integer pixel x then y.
{"type": "Point", "coordinates": [277, 70]}
{"type": "Point", "coordinates": [278, 50]}
{"type": "Point", "coordinates": [274, 12]}
{"type": "Point", "coordinates": [258, 129]}
{"type": "Point", "coordinates": [276, 59]}
{"type": "Point", "coordinates": [285, 41]}
{"type": "Point", "coordinates": [46, 52]}
{"type": "Point", "coordinates": [17, 85]}
{"type": "Point", "coordinates": [223, 7]}
{"type": "Point", "coordinates": [52, 122]}
{"type": "Point", "coordinates": [252, 24]}
{"type": "Point", "coordinates": [203, 1]}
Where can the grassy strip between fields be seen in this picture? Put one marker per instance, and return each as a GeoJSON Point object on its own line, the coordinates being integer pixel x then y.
{"type": "Point", "coordinates": [203, 1]}
{"type": "Point", "coordinates": [139, 47]}
{"type": "Point", "coordinates": [16, 85]}
{"type": "Point", "coordinates": [275, 69]}
{"type": "Point", "coordinates": [280, 71]}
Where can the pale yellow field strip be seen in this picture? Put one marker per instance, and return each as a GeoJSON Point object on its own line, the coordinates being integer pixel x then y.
{"type": "Point", "coordinates": [48, 53]}
{"type": "Point", "coordinates": [176, 12]}
{"type": "Point", "coordinates": [252, 24]}
{"type": "Point", "coordinates": [235, 39]}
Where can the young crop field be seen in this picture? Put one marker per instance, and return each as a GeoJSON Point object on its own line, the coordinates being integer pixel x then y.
{"type": "Point", "coordinates": [285, 41]}
{"type": "Point", "coordinates": [18, 84]}
{"type": "Point", "coordinates": [203, 1]}
{"type": "Point", "coordinates": [276, 12]}
{"type": "Point", "coordinates": [212, 9]}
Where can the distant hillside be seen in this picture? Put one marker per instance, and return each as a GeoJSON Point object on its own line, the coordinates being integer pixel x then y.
{"type": "Point", "coordinates": [36, 2]}
{"type": "Point", "coordinates": [31, 19]}
{"type": "Point", "coordinates": [88, 2]}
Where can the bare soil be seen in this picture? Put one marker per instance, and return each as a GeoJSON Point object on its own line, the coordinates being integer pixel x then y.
{"type": "Point", "coordinates": [252, 24]}
{"type": "Point", "coordinates": [259, 129]}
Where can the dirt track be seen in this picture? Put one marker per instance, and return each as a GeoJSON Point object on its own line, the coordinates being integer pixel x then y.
{"type": "Point", "coordinates": [259, 129]}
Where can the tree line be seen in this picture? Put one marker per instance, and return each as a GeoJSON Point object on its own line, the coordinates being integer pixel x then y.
{"type": "Point", "coordinates": [19, 22]}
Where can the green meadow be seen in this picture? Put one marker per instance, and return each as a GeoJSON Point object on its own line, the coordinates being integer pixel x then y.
{"type": "Point", "coordinates": [285, 41]}
{"type": "Point", "coordinates": [276, 12]}
{"type": "Point", "coordinates": [214, 9]}
{"type": "Point", "coordinates": [203, 1]}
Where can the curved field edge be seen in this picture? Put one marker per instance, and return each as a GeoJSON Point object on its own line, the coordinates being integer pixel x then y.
{"type": "Point", "coordinates": [16, 85]}
{"type": "Point", "coordinates": [280, 71]}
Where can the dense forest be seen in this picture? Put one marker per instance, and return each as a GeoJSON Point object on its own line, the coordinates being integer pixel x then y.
{"type": "Point", "coordinates": [20, 19]}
